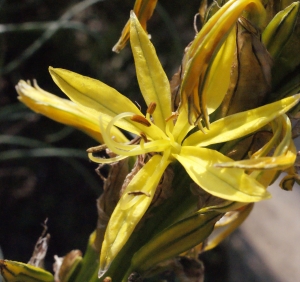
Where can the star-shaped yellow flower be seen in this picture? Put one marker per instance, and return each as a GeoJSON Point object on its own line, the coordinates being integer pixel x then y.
{"type": "Point", "coordinates": [165, 135]}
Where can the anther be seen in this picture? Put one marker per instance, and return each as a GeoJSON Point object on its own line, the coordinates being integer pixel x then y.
{"type": "Point", "coordinates": [97, 148]}
{"type": "Point", "coordinates": [135, 140]}
{"type": "Point", "coordinates": [141, 120]}
{"type": "Point", "coordinates": [151, 108]}
{"type": "Point", "coordinates": [139, 193]}
{"type": "Point", "coordinates": [173, 116]}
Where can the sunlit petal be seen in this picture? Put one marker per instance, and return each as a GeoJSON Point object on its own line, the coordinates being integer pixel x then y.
{"type": "Point", "coordinates": [131, 208]}
{"type": "Point", "coordinates": [96, 95]}
{"type": "Point", "coordinates": [218, 78]}
{"type": "Point", "coordinates": [152, 79]}
{"type": "Point", "coordinates": [279, 163]}
{"type": "Point", "coordinates": [227, 183]}
{"type": "Point", "coordinates": [182, 126]}
{"type": "Point", "coordinates": [241, 124]}
{"type": "Point", "coordinates": [206, 45]}
{"type": "Point", "coordinates": [64, 111]}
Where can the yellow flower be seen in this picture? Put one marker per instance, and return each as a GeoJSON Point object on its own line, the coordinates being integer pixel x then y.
{"type": "Point", "coordinates": [166, 135]}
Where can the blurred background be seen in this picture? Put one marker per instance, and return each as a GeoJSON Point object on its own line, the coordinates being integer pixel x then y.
{"type": "Point", "coordinates": [44, 170]}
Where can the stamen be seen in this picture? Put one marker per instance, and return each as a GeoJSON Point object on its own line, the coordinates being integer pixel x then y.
{"type": "Point", "coordinates": [138, 193]}
{"type": "Point", "coordinates": [141, 120]}
{"type": "Point", "coordinates": [198, 123]}
{"type": "Point", "coordinates": [168, 132]}
{"type": "Point", "coordinates": [126, 149]}
{"type": "Point", "coordinates": [135, 140]}
{"type": "Point", "coordinates": [195, 22]}
{"type": "Point", "coordinates": [172, 116]}
{"type": "Point", "coordinates": [151, 108]}
{"type": "Point", "coordinates": [139, 106]}
{"type": "Point", "coordinates": [97, 148]}
{"type": "Point", "coordinates": [143, 136]}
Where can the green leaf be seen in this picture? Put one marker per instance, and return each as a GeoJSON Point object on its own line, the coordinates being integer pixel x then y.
{"type": "Point", "coordinates": [172, 241]}
{"type": "Point", "coordinates": [13, 271]}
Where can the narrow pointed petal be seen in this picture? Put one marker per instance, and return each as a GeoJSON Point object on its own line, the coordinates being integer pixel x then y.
{"type": "Point", "coordinates": [227, 183]}
{"type": "Point", "coordinates": [144, 10]}
{"type": "Point", "coordinates": [63, 111]}
{"type": "Point", "coordinates": [206, 45]}
{"type": "Point", "coordinates": [182, 126]}
{"type": "Point", "coordinates": [130, 209]}
{"type": "Point", "coordinates": [278, 163]}
{"type": "Point", "coordinates": [283, 157]}
{"type": "Point", "coordinates": [241, 124]}
{"type": "Point", "coordinates": [98, 96]}
{"type": "Point", "coordinates": [218, 79]}
{"type": "Point", "coordinates": [152, 79]}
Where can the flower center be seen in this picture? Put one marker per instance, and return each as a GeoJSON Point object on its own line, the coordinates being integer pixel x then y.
{"type": "Point", "coordinates": [175, 147]}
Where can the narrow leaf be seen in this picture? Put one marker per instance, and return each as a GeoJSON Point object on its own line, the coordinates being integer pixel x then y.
{"type": "Point", "coordinates": [14, 271]}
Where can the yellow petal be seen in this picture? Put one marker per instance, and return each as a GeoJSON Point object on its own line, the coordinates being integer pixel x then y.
{"type": "Point", "coordinates": [131, 208]}
{"type": "Point", "coordinates": [227, 183]}
{"type": "Point", "coordinates": [63, 111]}
{"type": "Point", "coordinates": [182, 126]}
{"type": "Point", "coordinates": [144, 10]}
{"type": "Point", "coordinates": [94, 94]}
{"type": "Point", "coordinates": [218, 79]}
{"type": "Point", "coordinates": [206, 44]}
{"type": "Point", "coordinates": [152, 79]}
{"type": "Point", "coordinates": [241, 124]}
{"type": "Point", "coordinates": [267, 177]}
{"type": "Point", "coordinates": [283, 157]}
{"type": "Point", "coordinates": [278, 163]}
